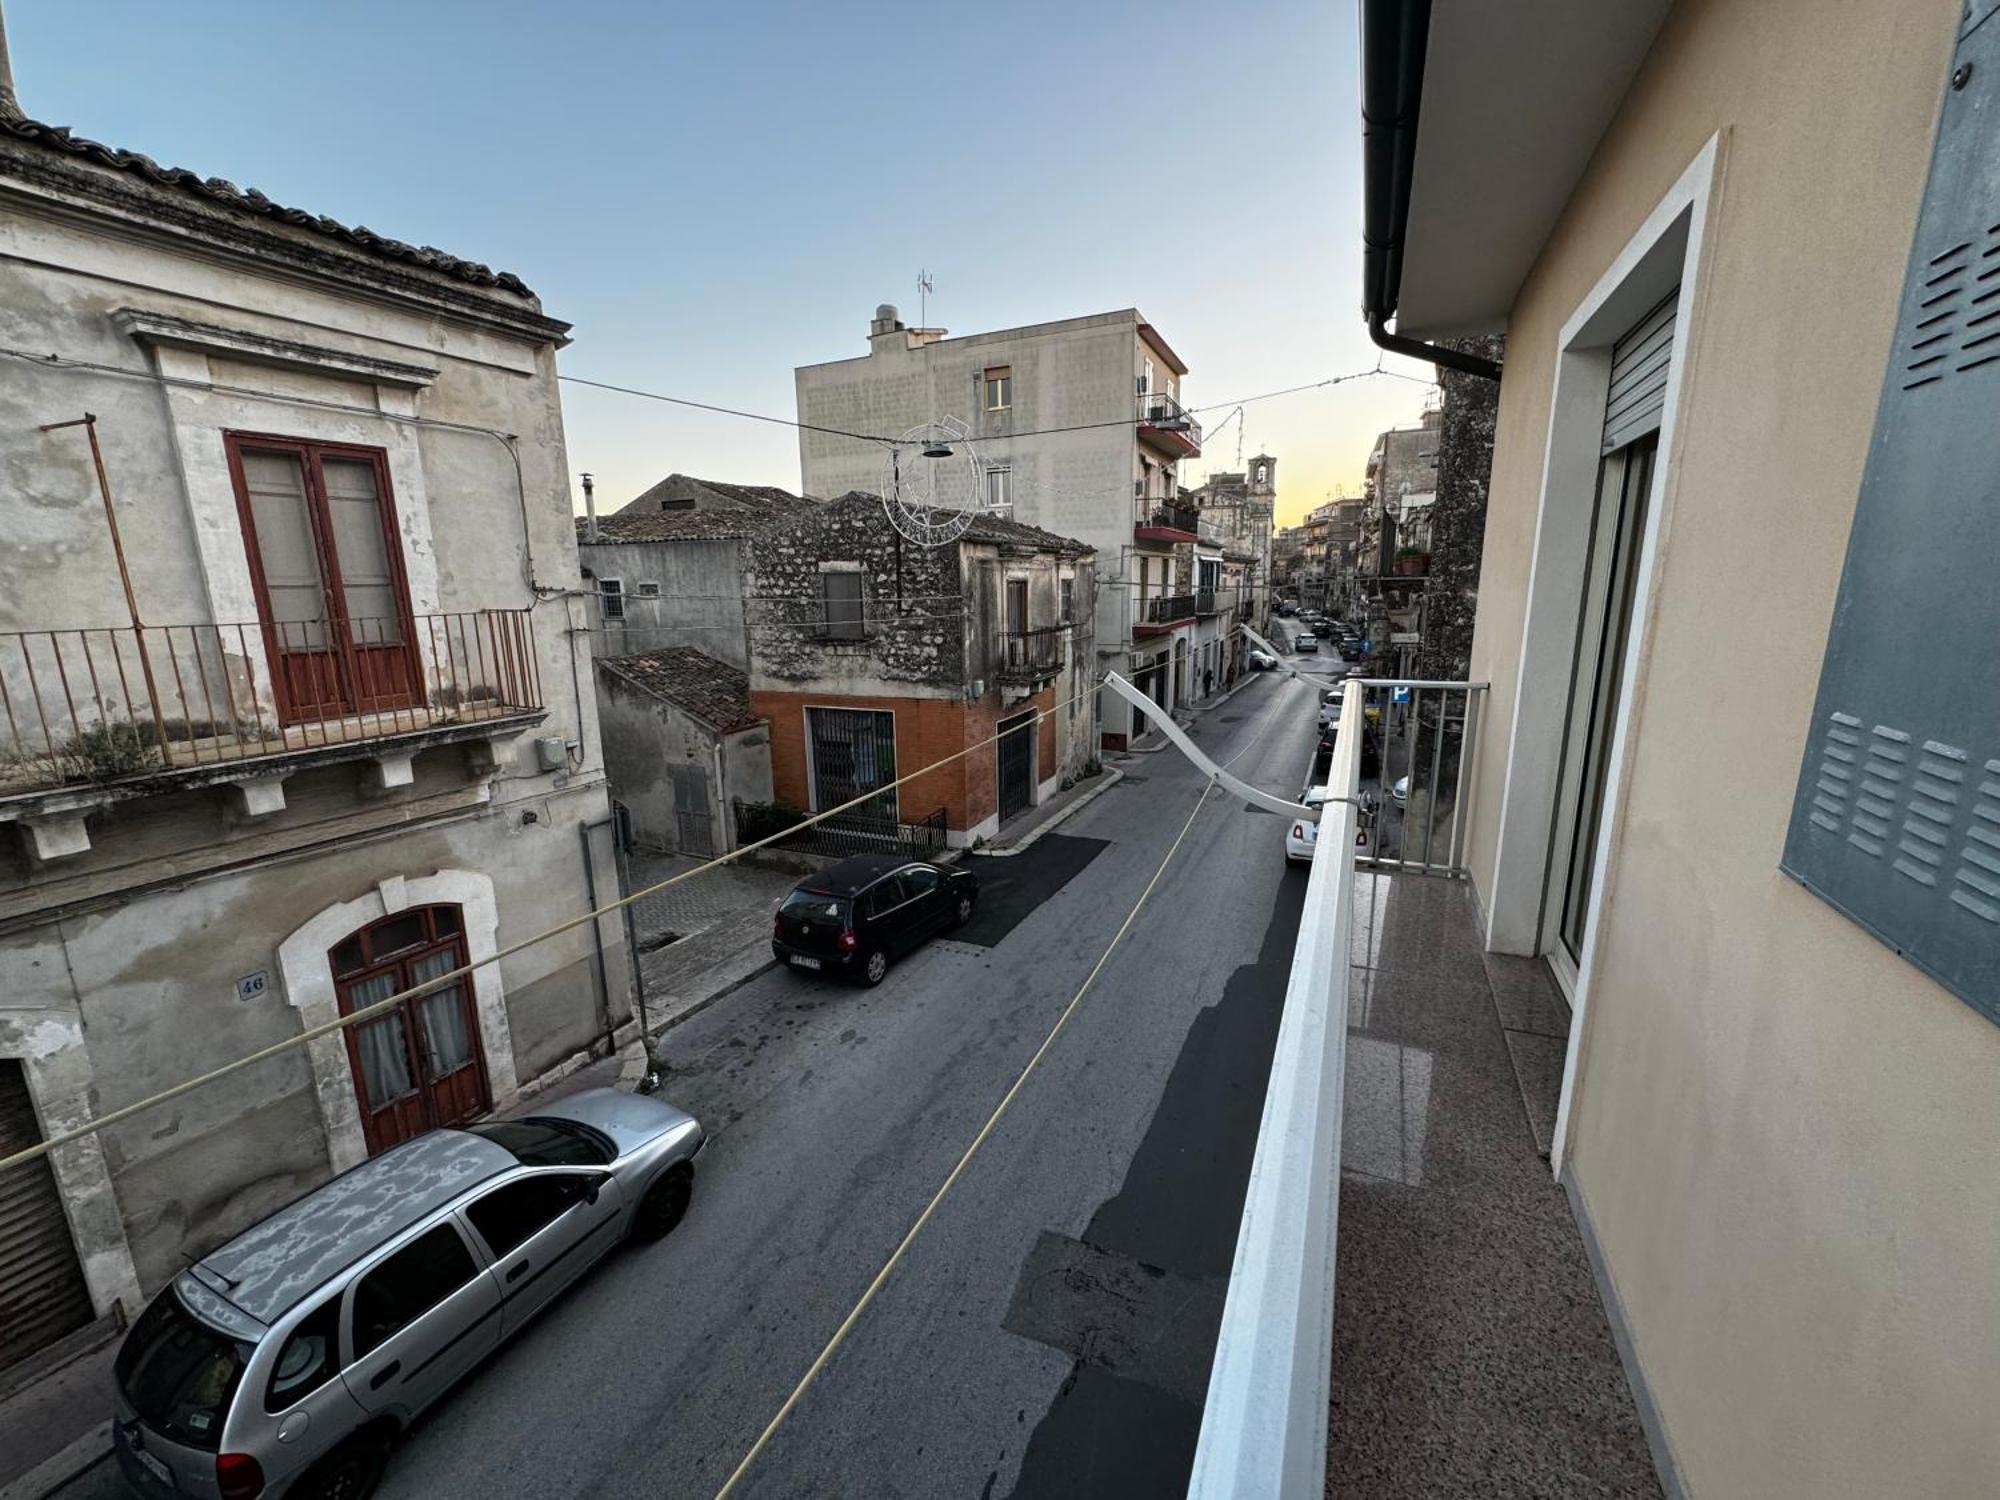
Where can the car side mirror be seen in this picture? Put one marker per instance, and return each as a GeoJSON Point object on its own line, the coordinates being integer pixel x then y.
{"type": "Point", "coordinates": [592, 1188]}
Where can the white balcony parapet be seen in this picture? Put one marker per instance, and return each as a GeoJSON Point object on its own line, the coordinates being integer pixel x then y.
{"type": "Point", "coordinates": [1264, 1423]}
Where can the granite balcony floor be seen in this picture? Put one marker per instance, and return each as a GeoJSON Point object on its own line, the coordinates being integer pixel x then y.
{"type": "Point", "coordinates": [1471, 1352]}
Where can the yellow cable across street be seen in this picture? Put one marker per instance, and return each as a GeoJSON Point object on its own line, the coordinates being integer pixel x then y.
{"type": "Point", "coordinates": [881, 1277]}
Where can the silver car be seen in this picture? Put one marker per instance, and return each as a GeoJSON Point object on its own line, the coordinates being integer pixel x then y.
{"type": "Point", "coordinates": [283, 1363]}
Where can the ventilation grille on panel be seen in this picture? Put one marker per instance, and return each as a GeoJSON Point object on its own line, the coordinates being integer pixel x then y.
{"type": "Point", "coordinates": [1888, 796]}
{"type": "Point", "coordinates": [1957, 326]}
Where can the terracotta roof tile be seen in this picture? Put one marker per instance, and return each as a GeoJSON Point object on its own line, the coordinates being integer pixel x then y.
{"type": "Point", "coordinates": [713, 691]}
{"type": "Point", "coordinates": [250, 201]}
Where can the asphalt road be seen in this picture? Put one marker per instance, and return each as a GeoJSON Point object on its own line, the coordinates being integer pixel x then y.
{"type": "Point", "coordinates": [1049, 1333]}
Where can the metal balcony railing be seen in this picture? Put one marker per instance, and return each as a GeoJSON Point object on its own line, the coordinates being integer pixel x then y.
{"type": "Point", "coordinates": [1160, 413]}
{"type": "Point", "coordinates": [1166, 609]}
{"type": "Point", "coordinates": [1161, 513]}
{"type": "Point", "coordinates": [1032, 655]}
{"type": "Point", "coordinates": [102, 705]}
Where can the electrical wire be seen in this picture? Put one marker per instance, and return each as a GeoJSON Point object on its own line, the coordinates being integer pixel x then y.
{"type": "Point", "coordinates": [893, 442]}
{"type": "Point", "coordinates": [437, 982]}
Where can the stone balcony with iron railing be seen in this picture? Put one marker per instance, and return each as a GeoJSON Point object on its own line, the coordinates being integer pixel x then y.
{"type": "Point", "coordinates": [1402, 1158]}
{"type": "Point", "coordinates": [1030, 658]}
{"type": "Point", "coordinates": [89, 717]}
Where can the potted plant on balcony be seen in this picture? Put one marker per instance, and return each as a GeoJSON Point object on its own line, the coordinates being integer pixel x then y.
{"type": "Point", "coordinates": [1411, 562]}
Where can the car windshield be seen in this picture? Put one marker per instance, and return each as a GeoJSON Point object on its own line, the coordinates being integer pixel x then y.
{"type": "Point", "coordinates": [179, 1374]}
{"type": "Point", "coordinates": [539, 1141]}
{"type": "Point", "coordinates": [815, 906]}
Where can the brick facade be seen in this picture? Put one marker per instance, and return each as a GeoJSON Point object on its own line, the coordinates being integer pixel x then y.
{"type": "Point", "coordinates": [927, 731]}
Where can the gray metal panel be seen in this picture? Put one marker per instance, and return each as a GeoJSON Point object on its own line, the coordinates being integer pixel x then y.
{"type": "Point", "coordinates": [1638, 393]}
{"type": "Point", "coordinates": [1897, 817]}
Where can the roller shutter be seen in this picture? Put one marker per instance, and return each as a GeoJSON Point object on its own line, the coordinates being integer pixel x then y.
{"type": "Point", "coordinates": [1639, 378]}
{"type": "Point", "coordinates": [42, 1291]}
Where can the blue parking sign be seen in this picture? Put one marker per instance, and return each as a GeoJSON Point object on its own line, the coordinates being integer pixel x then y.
{"type": "Point", "coordinates": [1399, 695]}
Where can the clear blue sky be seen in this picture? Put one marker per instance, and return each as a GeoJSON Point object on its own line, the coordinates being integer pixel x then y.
{"type": "Point", "coordinates": [715, 193]}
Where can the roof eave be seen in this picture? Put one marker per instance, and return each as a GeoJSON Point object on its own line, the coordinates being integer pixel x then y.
{"type": "Point", "coordinates": [1513, 102]}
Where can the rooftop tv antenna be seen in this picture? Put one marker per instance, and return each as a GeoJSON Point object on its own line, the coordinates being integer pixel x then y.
{"type": "Point", "coordinates": [930, 483]}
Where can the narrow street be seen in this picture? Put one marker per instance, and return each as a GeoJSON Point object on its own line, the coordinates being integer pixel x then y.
{"type": "Point", "coordinates": [1050, 1332]}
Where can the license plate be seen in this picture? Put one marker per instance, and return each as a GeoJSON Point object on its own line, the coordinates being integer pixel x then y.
{"type": "Point", "coordinates": [803, 962]}
{"type": "Point", "coordinates": [152, 1466]}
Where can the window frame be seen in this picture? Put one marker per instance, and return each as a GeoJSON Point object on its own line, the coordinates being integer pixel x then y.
{"type": "Point", "coordinates": [611, 591]}
{"type": "Point", "coordinates": [350, 1297]}
{"type": "Point", "coordinates": [331, 1307]}
{"type": "Point", "coordinates": [1005, 474]}
{"type": "Point", "coordinates": [831, 628]}
{"type": "Point", "coordinates": [997, 379]}
{"type": "Point", "coordinates": [497, 1252]}
{"type": "Point", "coordinates": [336, 623]}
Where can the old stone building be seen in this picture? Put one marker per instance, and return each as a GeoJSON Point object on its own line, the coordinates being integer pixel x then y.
{"type": "Point", "coordinates": [872, 656]}
{"type": "Point", "coordinates": [294, 716]}
{"type": "Point", "coordinates": [681, 746]}
{"type": "Point", "coordinates": [667, 567]}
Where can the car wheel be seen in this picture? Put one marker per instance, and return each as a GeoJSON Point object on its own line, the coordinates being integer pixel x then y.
{"type": "Point", "coordinates": [875, 967]}
{"type": "Point", "coordinates": [962, 913]}
{"type": "Point", "coordinates": [665, 1204]}
{"type": "Point", "coordinates": [350, 1472]}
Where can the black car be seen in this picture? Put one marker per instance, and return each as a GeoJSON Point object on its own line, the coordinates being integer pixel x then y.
{"type": "Point", "coordinates": [1352, 648]}
{"type": "Point", "coordinates": [858, 916]}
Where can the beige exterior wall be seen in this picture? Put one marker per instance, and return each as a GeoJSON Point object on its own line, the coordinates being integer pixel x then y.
{"type": "Point", "coordinates": [1783, 1133]}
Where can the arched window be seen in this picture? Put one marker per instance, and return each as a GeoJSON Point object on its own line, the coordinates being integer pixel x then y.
{"type": "Point", "coordinates": [419, 1065]}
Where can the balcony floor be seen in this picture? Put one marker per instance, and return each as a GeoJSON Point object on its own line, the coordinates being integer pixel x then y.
{"type": "Point", "coordinates": [1471, 1353]}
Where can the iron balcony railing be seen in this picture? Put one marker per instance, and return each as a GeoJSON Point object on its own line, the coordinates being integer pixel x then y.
{"type": "Point", "coordinates": [104, 704]}
{"type": "Point", "coordinates": [1168, 608]}
{"type": "Point", "coordinates": [1160, 513]}
{"type": "Point", "coordinates": [1160, 412]}
{"type": "Point", "coordinates": [1032, 655]}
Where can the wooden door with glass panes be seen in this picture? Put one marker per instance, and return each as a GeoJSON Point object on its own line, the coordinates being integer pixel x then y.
{"type": "Point", "coordinates": [419, 1064]}
{"type": "Point", "coordinates": [319, 523]}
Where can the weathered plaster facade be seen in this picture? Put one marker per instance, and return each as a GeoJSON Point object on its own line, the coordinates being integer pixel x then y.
{"type": "Point", "coordinates": [159, 923]}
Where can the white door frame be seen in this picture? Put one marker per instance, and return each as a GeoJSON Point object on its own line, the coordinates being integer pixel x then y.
{"type": "Point", "coordinates": [1666, 251]}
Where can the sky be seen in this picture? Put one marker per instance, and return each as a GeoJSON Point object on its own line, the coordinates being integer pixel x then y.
{"type": "Point", "coordinates": [715, 193]}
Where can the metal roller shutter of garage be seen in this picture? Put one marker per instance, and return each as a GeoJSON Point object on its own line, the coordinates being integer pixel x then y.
{"type": "Point", "coordinates": [1639, 377]}
{"type": "Point", "coordinates": [42, 1292]}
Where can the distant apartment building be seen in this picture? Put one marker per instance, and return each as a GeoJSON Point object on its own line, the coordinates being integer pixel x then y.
{"type": "Point", "coordinates": [1078, 429]}
{"type": "Point", "coordinates": [292, 719]}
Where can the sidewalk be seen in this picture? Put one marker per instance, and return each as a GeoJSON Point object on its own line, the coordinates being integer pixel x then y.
{"type": "Point", "coordinates": [1024, 830]}
{"type": "Point", "coordinates": [55, 1415]}
{"type": "Point", "coordinates": [699, 940]}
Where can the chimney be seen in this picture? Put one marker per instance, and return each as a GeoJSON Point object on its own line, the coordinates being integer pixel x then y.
{"type": "Point", "coordinates": [10, 106]}
{"type": "Point", "coordinates": [590, 532]}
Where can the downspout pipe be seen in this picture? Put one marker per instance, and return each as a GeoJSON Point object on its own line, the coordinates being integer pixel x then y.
{"type": "Point", "coordinates": [1394, 35]}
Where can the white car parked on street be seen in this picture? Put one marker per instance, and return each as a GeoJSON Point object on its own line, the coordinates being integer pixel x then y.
{"type": "Point", "coordinates": [1303, 835]}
